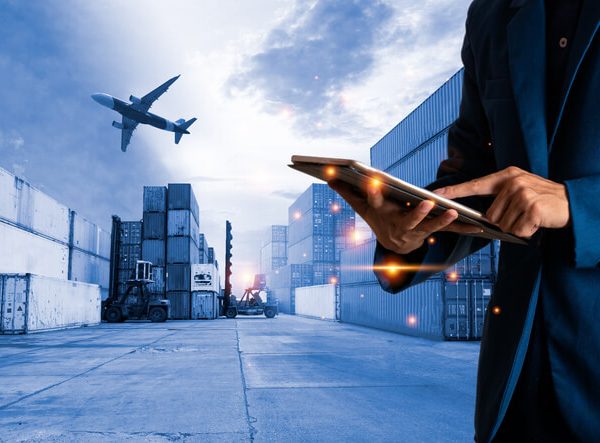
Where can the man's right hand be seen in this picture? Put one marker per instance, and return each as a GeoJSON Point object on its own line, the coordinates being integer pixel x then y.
{"type": "Point", "coordinates": [397, 228]}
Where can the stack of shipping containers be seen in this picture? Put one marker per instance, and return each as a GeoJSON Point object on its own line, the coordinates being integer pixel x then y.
{"type": "Point", "coordinates": [203, 249]}
{"type": "Point", "coordinates": [451, 304]}
{"type": "Point", "coordinates": [130, 251]}
{"type": "Point", "coordinates": [273, 251]}
{"type": "Point", "coordinates": [154, 244]}
{"type": "Point", "coordinates": [182, 247]}
{"type": "Point", "coordinates": [321, 225]}
{"type": "Point", "coordinates": [41, 236]}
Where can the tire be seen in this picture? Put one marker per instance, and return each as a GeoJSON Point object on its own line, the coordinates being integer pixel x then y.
{"type": "Point", "coordinates": [269, 312]}
{"type": "Point", "coordinates": [231, 313]}
{"type": "Point", "coordinates": [157, 315]}
{"type": "Point", "coordinates": [113, 315]}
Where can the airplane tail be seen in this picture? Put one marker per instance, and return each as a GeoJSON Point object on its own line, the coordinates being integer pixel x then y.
{"type": "Point", "coordinates": [183, 125]}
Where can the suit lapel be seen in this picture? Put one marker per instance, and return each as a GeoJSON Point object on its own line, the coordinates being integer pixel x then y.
{"type": "Point", "coordinates": [587, 28]}
{"type": "Point", "coordinates": [527, 63]}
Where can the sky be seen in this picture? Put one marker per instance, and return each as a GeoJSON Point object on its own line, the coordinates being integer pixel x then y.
{"type": "Point", "coordinates": [266, 79]}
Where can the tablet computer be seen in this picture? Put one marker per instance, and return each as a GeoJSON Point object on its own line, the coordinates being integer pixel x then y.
{"type": "Point", "coordinates": [361, 176]}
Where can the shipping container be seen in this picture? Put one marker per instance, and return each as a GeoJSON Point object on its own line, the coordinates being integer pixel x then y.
{"type": "Point", "coordinates": [178, 277]}
{"type": "Point", "coordinates": [32, 303]}
{"type": "Point", "coordinates": [431, 117]}
{"type": "Point", "coordinates": [180, 305]}
{"type": "Point", "coordinates": [129, 255]}
{"type": "Point", "coordinates": [181, 196]}
{"type": "Point", "coordinates": [88, 268]}
{"type": "Point", "coordinates": [27, 207]}
{"type": "Point", "coordinates": [155, 225]}
{"type": "Point", "coordinates": [182, 250]}
{"type": "Point", "coordinates": [205, 277]}
{"type": "Point", "coordinates": [292, 275]}
{"type": "Point", "coordinates": [154, 251]}
{"type": "Point", "coordinates": [103, 243]}
{"type": "Point", "coordinates": [205, 305]}
{"type": "Point", "coordinates": [316, 301]}
{"type": "Point", "coordinates": [24, 252]}
{"type": "Point", "coordinates": [155, 199]}
{"type": "Point", "coordinates": [181, 223]}
{"type": "Point", "coordinates": [159, 283]}
{"type": "Point", "coordinates": [416, 311]}
{"type": "Point", "coordinates": [85, 234]}
{"type": "Point", "coordinates": [211, 255]}
{"type": "Point", "coordinates": [131, 233]}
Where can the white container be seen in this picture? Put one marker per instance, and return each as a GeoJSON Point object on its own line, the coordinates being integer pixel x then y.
{"type": "Point", "coordinates": [24, 252]}
{"type": "Point", "coordinates": [87, 268]}
{"type": "Point", "coordinates": [205, 277]}
{"type": "Point", "coordinates": [32, 303]}
{"type": "Point", "coordinates": [30, 208]}
{"type": "Point", "coordinates": [316, 301]}
{"type": "Point", "coordinates": [205, 305]}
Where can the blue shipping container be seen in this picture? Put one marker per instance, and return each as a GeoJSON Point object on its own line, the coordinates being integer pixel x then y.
{"type": "Point", "coordinates": [155, 199]}
{"type": "Point", "coordinates": [155, 225]}
{"type": "Point", "coordinates": [181, 196]}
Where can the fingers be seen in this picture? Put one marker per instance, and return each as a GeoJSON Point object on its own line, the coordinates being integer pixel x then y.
{"type": "Point", "coordinates": [375, 197]}
{"type": "Point", "coordinates": [412, 218]}
{"type": "Point", "coordinates": [438, 223]}
{"type": "Point", "coordinates": [487, 185]}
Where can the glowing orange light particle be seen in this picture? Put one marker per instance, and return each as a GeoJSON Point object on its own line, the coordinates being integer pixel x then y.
{"type": "Point", "coordinates": [453, 276]}
{"type": "Point", "coordinates": [411, 320]}
{"type": "Point", "coordinates": [375, 183]}
{"type": "Point", "coordinates": [297, 215]}
{"type": "Point", "coordinates": [408, 204]}
{"type": "Point", "coordinates": [496, 310]}
{"type": "Point", "coordinates": [431, 240]}
{"type": "Point", "coordinates": [330, 171]}
{"type": "Point", "coordinates": [333, 280]}
{"type": "Point", "coordinates": [335, 207]}
{"type": "Point", "coordinates": [392, 270]}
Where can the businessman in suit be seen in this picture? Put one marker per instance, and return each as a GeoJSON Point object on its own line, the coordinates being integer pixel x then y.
{"type": "Point", "coordinates": [525, 150]}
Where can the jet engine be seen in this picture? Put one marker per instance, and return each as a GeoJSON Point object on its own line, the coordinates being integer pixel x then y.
{"type": "Point", "coordinates": [135, 100]}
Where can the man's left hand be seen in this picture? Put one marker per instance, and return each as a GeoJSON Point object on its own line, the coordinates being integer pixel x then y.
{"type": "Point", "coordinates": [524, 202]}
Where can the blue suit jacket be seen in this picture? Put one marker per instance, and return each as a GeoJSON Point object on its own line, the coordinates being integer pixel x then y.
{"type": "Point", "coordinates": [502, 123]}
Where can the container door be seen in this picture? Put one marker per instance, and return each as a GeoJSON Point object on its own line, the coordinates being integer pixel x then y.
{"type": "Point", "coordinates": [14, 304]}
{"type": "Point", "coordinates": [457, 318]}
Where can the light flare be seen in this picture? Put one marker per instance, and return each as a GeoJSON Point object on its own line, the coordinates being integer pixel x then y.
{"type": "Point", "coordinates": [496, 310]}
{"type": "Point", "coordinates": [411, 320]}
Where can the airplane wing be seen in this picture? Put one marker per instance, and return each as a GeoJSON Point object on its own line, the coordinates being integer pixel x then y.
{"type": "Point", "coordinates": [127, 131]}
{"type": "Point", "coordinates": [148, 99]}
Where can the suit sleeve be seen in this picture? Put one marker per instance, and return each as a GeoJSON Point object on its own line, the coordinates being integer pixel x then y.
{"type": "Point", "coordinates": [470, 156]}
{"type": "Point", "coordinates": [585, 219]}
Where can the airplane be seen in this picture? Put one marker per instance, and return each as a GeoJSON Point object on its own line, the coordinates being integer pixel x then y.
{"type": "Point", "coordinates": [136, 112]}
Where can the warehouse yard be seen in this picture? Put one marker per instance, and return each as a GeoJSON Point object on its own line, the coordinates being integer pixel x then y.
{"type": "Point", "coordinates": [288, 379]}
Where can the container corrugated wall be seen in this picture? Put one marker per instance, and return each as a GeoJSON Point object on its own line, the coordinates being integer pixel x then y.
{"type": "Point", "coordinates": [155, 199]}
{"type": "Point", "coordinates": [417, 311]}
{"type": "Point", "coordinates": [204, 305]}
{"type": "Point", "coordinates": [155, 225]}
{"type": "Point", "coordinates": [181, 223]}
{"type": "Point", "coordinates": [435, 114]}
{"type": "Point", "coordinates": [180, 305]}
{"type": "Point", "coordinates": [182, 250]}
{"type": "Point", "coordinates": [154, 251]}
{"type": "Point", "coordinates": [178, 277]}
{"type": "Point", "coordinates": [181, 196]}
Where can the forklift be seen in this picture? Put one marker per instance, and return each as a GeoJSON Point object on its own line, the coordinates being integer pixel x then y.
{"type": "Point", "coordinates": [135, 303]}
{"type": "Point", "coordinates": [251, 302]}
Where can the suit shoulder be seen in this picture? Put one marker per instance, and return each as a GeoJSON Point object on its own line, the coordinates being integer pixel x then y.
{"type": "Point", "coordinates": [486, 15]}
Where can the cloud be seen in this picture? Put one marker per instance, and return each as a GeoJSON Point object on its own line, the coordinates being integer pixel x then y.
{"type": "Point", "coordinates": [308, 60]}
{"type": "Point", "coordinates": [208, 179]}
{"type": "Point", "coordinates": [286, 194]}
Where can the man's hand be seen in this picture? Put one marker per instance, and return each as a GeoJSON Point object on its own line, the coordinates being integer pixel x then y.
{"type": "Point", "coordinates": [397, 228]}
{"type": "Point", "coordinates": [524, 202]}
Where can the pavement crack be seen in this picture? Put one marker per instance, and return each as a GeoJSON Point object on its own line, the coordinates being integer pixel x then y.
{"type": "Point", "coordinates": [87, 371]}
{"type": "Point", "coordinates": [251, 420]}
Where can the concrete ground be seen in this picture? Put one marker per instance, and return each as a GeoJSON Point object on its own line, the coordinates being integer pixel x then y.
{"type": "Point", "coordinates": [289, 379]}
